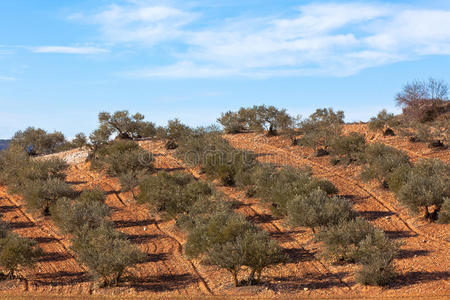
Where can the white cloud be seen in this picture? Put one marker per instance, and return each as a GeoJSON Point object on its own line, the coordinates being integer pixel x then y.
{"type": "Point", "coordinates": [327, 39]}
{"type": "Point", "coordinates": [69, 50]}
{"type": "Point", "coordinates": [7, 78]}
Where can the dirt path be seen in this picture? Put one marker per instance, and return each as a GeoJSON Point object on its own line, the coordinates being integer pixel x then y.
{"type": "Point", "coordinates": [424, 253]}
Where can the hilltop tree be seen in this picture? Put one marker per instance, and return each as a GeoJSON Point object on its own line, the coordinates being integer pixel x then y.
{"type": "Point", "coordinates": [125, 125]}
{"type": "Point", "coordinates": [37, 141]}
{"type": "Point", "coordinates": [424, 100]}
{"type": "Point", "coordinates": [321, 127]}
{"type": "Point", "coordinates": [256, 118]}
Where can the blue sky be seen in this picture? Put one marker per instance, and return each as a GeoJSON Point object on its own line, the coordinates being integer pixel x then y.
{"type": "Point", "coordinates": [62, 62]}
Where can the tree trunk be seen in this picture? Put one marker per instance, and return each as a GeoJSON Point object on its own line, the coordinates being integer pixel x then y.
{"type": "Point", "coordinates": [251, 277]}
{"type": "Point", "coordinates": [11, 274]}
{"type": "Point", "coordinates": [235, 279]}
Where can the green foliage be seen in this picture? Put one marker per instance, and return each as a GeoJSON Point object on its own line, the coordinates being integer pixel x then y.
{"type": "Point", "coordinates": [106, 253]}
{"type": "Point", "coordinates": [382, 120]}
{"type": "Point", "coordinates": [217, 158]}
{"type": "Point", "coordinates": [172, 193]}
{"type": "Point", "coordinates": [38, 141]}
{"type": "Point", "coordinates": [321, 127]}
{"type": "Point", "coordinates": [398, 177]}
{"type": "Point", "coordinates": [376, 254]}
{"type": "Point", "coordinates": [80, 140]}
{"type": "Point", "coordinates": [125, 125]}
{"type": "Point", "coordinates": [348, 149]}
{"type": "Point", "coordinates": [256, 118]}
{"type": "Point", "coordinates": [228, 256]}
{"type": "Point", "coordinates": [278, 187]}
{"type": "Point", "coordinates": [381, 161]}
{"type": "Point", "coordinates": [260, 252]}
{"type": "Point", "coordinates": [16, 252]}
{"type": "Point", "coordinates": [427, 185]}
{"type": "Point", "coordinates": [86, 212]}
{"type": "Point", "coordinates": [40, 195]}
{"type": "Point", "coordinates": [444, 213]}
{"type": "Point", "coordinates": [227, 240]}
{"type": "Point", "coordinates": [342, 242]}
{"type": "Point", "coordinates": [318, 210]}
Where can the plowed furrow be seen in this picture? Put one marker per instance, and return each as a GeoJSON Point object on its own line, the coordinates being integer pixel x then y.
{"type": "Point", "coordinates": [57, 267]}
{"type": "Point", "coordinates": [166, 269]}
{"type": "Point", "coordinates": [303, 263]}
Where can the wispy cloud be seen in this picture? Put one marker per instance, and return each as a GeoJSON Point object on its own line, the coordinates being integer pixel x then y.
{"type": "Point", "coordinates": [69, 50]}
{"type": "Point", "coordinates": [6, 78]}
{"type": "Point", "coordinates": [327, 39]}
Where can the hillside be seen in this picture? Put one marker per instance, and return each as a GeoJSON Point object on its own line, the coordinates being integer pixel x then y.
{"type": "Point", "coordinates": [423, 264]}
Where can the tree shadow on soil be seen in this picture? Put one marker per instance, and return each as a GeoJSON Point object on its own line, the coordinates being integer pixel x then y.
{"type": "Point", "coordinates": [142, 238]}
{"type": "Point", "coordinates": [402, 254]}
{"type": "Point", "coordinates": [8, 208]}
{"type": "Point", "coordinates": [18, 225]}
{"type": "Point", "coordinates": [45, 239]}
{"type": "Point", "coordinates": [160, 283]}
{"type": "Point", "coordinates": [414, 277]}
{"type": "Point", "coordinates": [53, 256]}
{"type": "Point", "coordinates": [152, 257]}
{"type": "Point", "coordinates": [62, 278]}
{"type": "Point", "coordinates": [399, 234]}
{"type": "Point", "coordinates": [373, 215]}
{"type": "Point", "coordinates": [297, 255]}
{"type": "Point", "coordinates": [127, 223]}
{"type": "Point", "coordinates": [310, 281]}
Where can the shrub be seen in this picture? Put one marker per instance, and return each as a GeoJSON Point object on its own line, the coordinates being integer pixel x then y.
{"type": "Point", "coordinates": [40, 195]}
{"type": "Point", "coordinates": [321, 127]}
{"type": "Point", "coordinates": [260, 252]}
{"type": "Point", "coordinates": [427, 185]}
{"type": "Point", "coordinates": [80, 140]}
{"type": "Point", "coordinates": [38, 141]}
{"type": "Point", "coordinates": [218, 229]}
{"type": "Point", "coordinates": [125, 125]}
{"type": "Point", "coordinates": [318, 210]}
{"type": "Point", "coordinates": [278, 187]}
{"type": "Point", "coordinates": [376, 254]}
{"type": "Point", "coordinates": [232, 122]}
{"type": "Point", "coordinates": [230, 167]}
{"type": "Point", "coordinates": [348, 149]}
{"type": "Point", "coordinates": [381, 161]}
{"type": "Point", "coordinates": [342, 242]}
{"type": "Point", "coordinates": [444, 213]}
{"type": "Point", "coordinates": [177, 131]}
{"type": "Point", "coordinates": [423, 101]}
{"type": "Point", "coordinates": [227, 240]}
{"type": "Point", "coordinates": [106, 253]}
{"type": "Point", "coordinates": [125, 160]}
{"type": "Point", "coordinates": [16, 252]}
{"type": "Point", "coordinates": [382, 120]}
{"type": "Point", "coordinates": [398, 177]}
{"type": "Point", "coordinates": [86, 212]}
{"type": "Point", "coordinates": [172, 194]}
{"type": "Point", "coordinates": [228, 256]}
{"type": "Point", "coordinates": [257, 118]}
{"type": "Point", "coordinates": [16, 169]}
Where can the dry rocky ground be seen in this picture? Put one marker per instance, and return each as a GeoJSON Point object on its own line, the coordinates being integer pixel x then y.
{"type": "Point", "coordinates": [423, 265]}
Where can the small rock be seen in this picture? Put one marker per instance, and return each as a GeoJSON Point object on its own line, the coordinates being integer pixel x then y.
{"type": "Point", "coordinates": [424, 241]}
{"type": "Point", "coordinates": [145, 228]}
{"type": "Point", "coordinates": [305, 289]}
